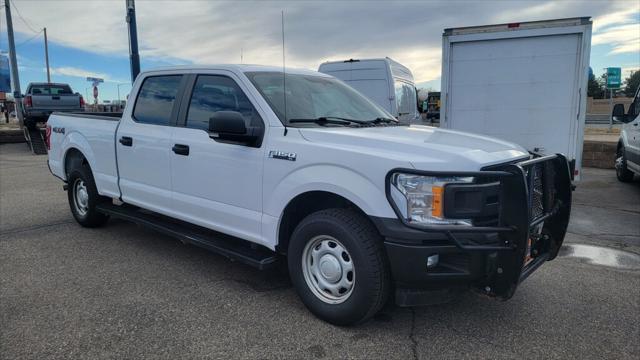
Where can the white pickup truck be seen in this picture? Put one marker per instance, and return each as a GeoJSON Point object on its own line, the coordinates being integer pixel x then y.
{"type": "Point", "coordinates": [362, 207]}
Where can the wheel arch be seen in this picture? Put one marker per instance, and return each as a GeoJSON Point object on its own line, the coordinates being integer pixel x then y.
{"type": "Point", "coordinates": [305, 204]}
{"type": "Point", "coordinates": [72, 157]}
{"type": "Point", "coordinates": [76, 146]}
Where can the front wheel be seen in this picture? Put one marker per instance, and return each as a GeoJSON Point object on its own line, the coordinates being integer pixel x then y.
{"type": "Point", "coordinates": [83, 198]}
{"type": "Point", "coordinates": [338, 267]}
{"type": "Point", "coordinates": [622, 172]}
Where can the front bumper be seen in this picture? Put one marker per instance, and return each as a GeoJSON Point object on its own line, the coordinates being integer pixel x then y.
{"type": "Point", "coordinates": [528, 204]}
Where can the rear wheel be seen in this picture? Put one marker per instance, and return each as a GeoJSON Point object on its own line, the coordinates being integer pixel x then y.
{"type": "Point", "coordinates": [622, 172]}
{"type": "Point", "coordinates": [83, 197]}
{"type": "Point", "coordinates": [337, 264]}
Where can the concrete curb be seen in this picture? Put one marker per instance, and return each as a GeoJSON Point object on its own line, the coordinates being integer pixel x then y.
{"type": "Point", "coordinates": [11, 136]}
{"type": "Point", "coordinates": [599, 154]}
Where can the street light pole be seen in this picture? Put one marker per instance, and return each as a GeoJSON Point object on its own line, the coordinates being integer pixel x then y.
{"type": "Point", "coordinates": [46, 55]}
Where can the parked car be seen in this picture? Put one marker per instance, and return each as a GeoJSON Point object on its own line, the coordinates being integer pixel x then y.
{"type": "Point", "coordinates": [362, 206]}
{"type": "Point", "coordinates": [41, 99]}
{"type": "Point", "coordinates": [384, 81]}
{"type": "Point", "coordinates": [628, 150]}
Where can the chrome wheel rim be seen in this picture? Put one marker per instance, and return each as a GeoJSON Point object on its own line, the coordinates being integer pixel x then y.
{"type": "Point", "coordinates": [328, 269]}
{"type": "Point", "coordinates": [80, 197]}
{"type": "Point", "coordinates": [619, 165]}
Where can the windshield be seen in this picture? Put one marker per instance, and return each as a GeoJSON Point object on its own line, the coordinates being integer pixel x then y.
{"type": "Point", "coordinates": [314, 97]}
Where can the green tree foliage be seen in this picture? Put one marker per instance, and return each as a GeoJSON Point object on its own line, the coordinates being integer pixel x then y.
{"type": "Point", "coordinates": [594, 88]}
{"type": "Point", "coordinates": [632, 83]}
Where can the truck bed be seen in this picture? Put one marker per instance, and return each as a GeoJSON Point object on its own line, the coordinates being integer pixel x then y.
{"type": "Point", "coordinates": [95, 134]}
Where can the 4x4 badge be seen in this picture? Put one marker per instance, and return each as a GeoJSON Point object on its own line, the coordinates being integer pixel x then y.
{"type": "Point", "coordinates": [282, 155]}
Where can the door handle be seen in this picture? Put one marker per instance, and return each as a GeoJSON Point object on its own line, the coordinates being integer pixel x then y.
{"type": "Point", "coordinates": [181, 149]}
{"type": "Point", "coordinates": [126, 141]}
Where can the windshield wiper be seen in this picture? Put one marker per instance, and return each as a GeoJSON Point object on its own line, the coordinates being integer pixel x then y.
{"type": "Point", "coordinates": [383, 120]}
{"type": "Point", "coordinates": [328, 120]}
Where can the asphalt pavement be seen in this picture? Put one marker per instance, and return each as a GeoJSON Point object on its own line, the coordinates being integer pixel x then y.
{"type": "Point", "coordinates": [122, 291]}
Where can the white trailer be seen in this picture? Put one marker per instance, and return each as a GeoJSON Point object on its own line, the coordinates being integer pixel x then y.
{"type": "Point", "coordinates": [522, 82]}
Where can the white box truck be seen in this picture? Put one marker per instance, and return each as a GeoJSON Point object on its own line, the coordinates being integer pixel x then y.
{"type": "Point", "coordinates": [384, 81]}
{"type": "Point", "coordinates": [522, 82]}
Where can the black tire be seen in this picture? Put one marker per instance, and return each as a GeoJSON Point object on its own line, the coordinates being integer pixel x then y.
{"type": "Point", "coordinates": [364, 246]}
{"type": "Point", "coordinates": [86, 216]}
{"type": "Point", "coordinates": [622, 172]}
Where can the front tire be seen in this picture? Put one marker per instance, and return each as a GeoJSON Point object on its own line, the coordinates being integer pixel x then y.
{"type": "Point", "coordinates": [622, 172]}
{"type": "Point", "coordinates": [338, 267]}
{"type": "Point", "coordinates": [83, 197]}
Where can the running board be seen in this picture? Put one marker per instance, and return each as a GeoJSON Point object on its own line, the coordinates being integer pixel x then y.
{"type": "Point", "coordinates": [233, 248]}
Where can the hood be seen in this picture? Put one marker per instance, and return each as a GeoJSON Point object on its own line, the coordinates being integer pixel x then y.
{"type": "Point", "coordinates": [425, 147]}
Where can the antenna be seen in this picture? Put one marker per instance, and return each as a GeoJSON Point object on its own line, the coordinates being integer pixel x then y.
{"type": "Point", "coordinates": [241, 55]}
{"type": "Point", "coordinates": [284, 79]}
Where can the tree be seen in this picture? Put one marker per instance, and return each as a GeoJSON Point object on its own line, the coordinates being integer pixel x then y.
{"type": "Point", "coordinates": [632, 83]}
{"type": "Point", "coordinates": [594, 88]}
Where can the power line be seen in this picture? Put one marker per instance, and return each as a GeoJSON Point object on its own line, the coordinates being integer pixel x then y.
{"type": "Point", "coordinates": [31, 38]}
{"type": "Point", "coordinates": [21, 18]}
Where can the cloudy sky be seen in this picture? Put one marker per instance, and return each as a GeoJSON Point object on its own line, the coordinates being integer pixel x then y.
{"type": "Point", "coordinates": [89, 38]}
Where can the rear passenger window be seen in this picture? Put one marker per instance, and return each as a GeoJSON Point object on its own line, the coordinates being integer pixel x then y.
{"type": "Point", "coordinates": [213, 93]}
{"type": "Point", "coordinates": [155, 99]}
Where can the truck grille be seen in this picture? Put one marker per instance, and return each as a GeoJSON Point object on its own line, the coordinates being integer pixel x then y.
{"type": "Point", "coordinates": [537, 191]}
{"type": "Point", "coordinates": [540, 180]}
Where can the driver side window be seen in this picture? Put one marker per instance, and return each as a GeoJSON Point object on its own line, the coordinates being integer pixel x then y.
{"type": "Point", "coordinates": [213, 93]}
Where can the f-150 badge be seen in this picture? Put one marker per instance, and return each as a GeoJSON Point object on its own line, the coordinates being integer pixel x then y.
{"type": "Point", "coordinates": [282, 155]}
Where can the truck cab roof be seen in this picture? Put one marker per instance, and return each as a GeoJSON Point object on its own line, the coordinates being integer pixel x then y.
{"type": "Point", "coordinates": [236, 68]}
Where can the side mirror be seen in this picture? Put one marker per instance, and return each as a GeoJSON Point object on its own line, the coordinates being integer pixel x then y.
{"type": "Point", "coordinates": [229, 126]}
{"type": "Point", "coordinates": [618, 113]}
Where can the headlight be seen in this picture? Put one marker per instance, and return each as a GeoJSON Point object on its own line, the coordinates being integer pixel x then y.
{"type": "Point", "coordinates": [420, 199]}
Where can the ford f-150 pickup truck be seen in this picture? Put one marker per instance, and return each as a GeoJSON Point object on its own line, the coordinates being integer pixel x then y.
{"type": "Point", "coordinates": [260, 167]}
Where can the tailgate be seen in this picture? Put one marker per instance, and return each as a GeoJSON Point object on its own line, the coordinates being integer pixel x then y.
{"type": "Point", "coordinates": [61, 101]}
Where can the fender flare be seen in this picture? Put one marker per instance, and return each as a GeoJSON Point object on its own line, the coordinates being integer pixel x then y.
{"type": "Point", "coordinates": [77, 141]}
{"type": "Point", "coordinates": [347, 183]}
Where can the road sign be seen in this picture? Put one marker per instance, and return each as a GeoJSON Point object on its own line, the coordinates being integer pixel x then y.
{"type": "Point", "coordinates": [95, 92]}
{"type": "Point", "coordinates": [95, 81]}
{"type": "Point", "coordinates": [614, 78]}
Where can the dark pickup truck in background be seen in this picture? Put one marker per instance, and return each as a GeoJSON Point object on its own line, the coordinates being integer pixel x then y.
{"type": "Point", "coordinates": [41, 99]}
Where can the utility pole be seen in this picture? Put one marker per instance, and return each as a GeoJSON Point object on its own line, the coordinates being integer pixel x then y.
{"type": "Point", "coordinates": [133, 40]}
{"type": "Point", "coordinates": [118, 86]}
{"type": "Point", "coordinates": [46, 55]}
{"type": "Point", "coordinates": [17, 94]}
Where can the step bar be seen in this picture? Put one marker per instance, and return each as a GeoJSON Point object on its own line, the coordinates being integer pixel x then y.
{"type": "Point", "coordinates": [233, 248]}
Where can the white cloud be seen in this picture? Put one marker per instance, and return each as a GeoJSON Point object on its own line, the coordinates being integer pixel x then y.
{"type": "Point", "coordinates": [76, 72]}
{"type": "Point", "coordinates": [215, 32]}
{"type": "Point", "coordinates": [620, 29]}
{"type": "Point", "coordinates": [628, 15]}
{"type": "Point", "coordinates": [623, 38]}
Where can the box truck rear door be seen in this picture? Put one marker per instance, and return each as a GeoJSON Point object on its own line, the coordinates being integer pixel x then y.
{"type": "Point", "coordinates": [523, 90]}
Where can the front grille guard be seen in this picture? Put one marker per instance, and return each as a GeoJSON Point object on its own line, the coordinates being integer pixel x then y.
{"type": "Point", "coordinates": [534, 203]}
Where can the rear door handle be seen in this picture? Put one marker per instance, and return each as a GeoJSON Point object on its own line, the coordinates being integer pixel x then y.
{"type": "Point", "coordinates": [126, 141]}
{"type": "Point", "coordinates": [181, 149]}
